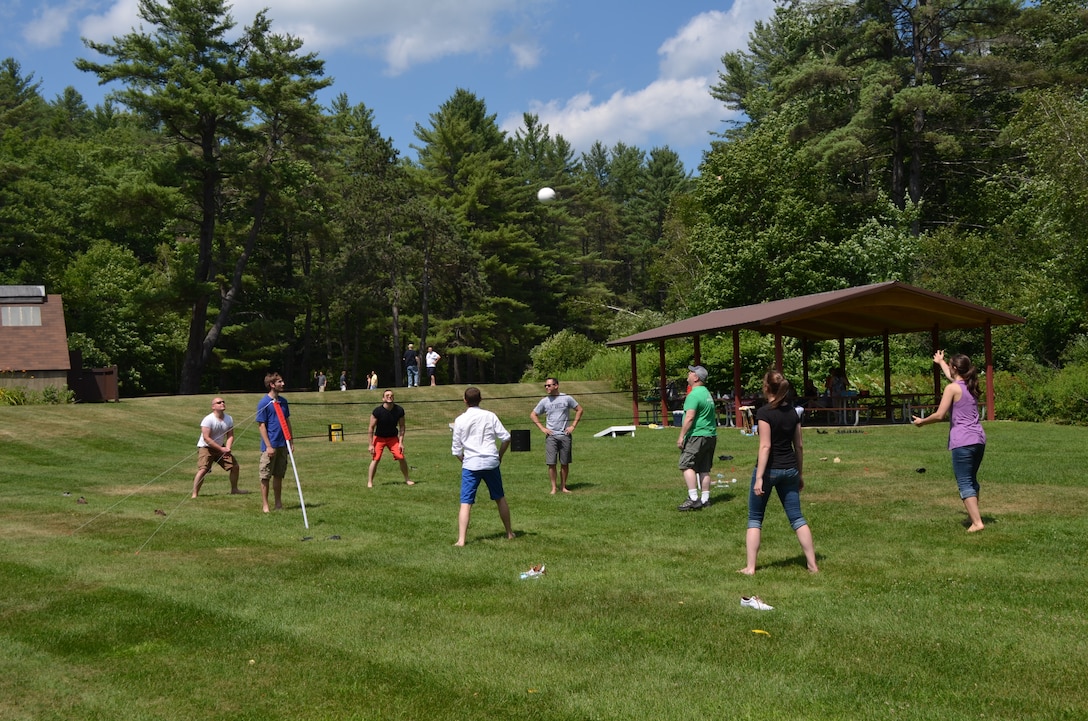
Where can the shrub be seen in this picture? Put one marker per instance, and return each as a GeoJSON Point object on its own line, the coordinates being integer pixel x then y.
{"type": "Point", "coordinates": [559, 353]}
{"type": "Point", "coordinates": [50, 395]}
{"type": "Point", "coordinates": [16, 396]}
{"type": "Point", "coordinates": [1067, 395]}
{"type": "Point", "coordinates": [57, 396]}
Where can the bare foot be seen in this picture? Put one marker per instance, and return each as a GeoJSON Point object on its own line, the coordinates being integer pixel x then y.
{"type": "Point", "coordinates": [409, 483]}
{"type": "Point", "coordinates": [566, 490]}
{"type": "Point", "coordinates": [976, 527]}
{"type": "Point", "coordinates": [813, 569]}
{"type": "Point", "coordinates": [747, 571]}
{"type": "Point", "coordinates": [193, 496]}
{"type": "Point", "coordinates": [553, 491]}
{"type": "Point", "coordinates": [510, 536]}
{"type": "Point", "coordinates": [265, 509]}
{"type": "Point", "coordinates": [369, 484]}
{"type": "Point", "coordinates": [279, 506]}
{"type": "Point", "coordinates": [459, 543]}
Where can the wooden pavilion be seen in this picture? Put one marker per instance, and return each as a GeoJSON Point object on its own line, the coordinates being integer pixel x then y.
{"type": "Point", "coordinates": [881, 309]}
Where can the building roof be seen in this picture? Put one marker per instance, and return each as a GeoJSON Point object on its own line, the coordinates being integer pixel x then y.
{"type": "Point", "coordinates": [859, 312]}
{"type": "Point", "coordinates": [32, 347]}
{"type": "Point", "coordinates": [22, 293]}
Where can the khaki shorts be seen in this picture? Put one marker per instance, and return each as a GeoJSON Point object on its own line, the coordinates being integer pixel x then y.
{"type": "Point", "coordinates": [274, 466]}
{"type": "Point", "coordinates": [698, 453]}
{"type": "Point", "coordinates": [205, 458]}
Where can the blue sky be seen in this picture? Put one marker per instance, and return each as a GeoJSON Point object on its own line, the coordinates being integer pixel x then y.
{"type": "Point", "coordinates": [634, 71]}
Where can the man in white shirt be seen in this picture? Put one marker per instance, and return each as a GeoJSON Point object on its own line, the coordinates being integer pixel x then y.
{"type": "Point", "coordinates": [216, 438]}
{"type": "Point", "coordinates": [475, 433]}
{"type": "Point", "coordinates": [432, 364]}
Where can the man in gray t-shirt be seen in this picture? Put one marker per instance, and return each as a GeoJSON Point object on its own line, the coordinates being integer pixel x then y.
{"type": "Point", "coordinates": [557, 430]}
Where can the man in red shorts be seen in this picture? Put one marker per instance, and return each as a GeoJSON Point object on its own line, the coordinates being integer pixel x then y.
{"type": "Point", "coordinates": [387, 431]}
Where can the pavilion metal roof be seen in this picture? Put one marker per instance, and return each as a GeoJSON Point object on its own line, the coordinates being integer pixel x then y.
{"type": "Point", "coordinates": [859, 312]}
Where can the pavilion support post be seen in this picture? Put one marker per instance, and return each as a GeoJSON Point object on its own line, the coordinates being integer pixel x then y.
{"type": "Point", "coordinates": [778, 348]}
{"type": "Point", "coordinates": [698, 360]}
{"type": "Point", "coordinates": [805, 353]}
{"type": "Point", "coordinates": [661, 382]}
{"type": "Point", "coordinates": [842, 353]}
{"type": "Point", "coordinates": [988, 344]}
{"type": "Point", "coordinates": [888, 413]}
{"type": "Point", "coordinates": [736, 376]}
{"type": "Point", "coordinates": [634, 382]}
{"type": "Point", "coordinates": [935, 341]}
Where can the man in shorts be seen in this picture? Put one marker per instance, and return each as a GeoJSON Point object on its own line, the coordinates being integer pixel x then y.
{"type": "Point", "coordinates": [558, 430]}
{"type": "Point", "coordinates": [475, 433]}
{"type": "Point", "coordinates": [216, 438]}
{"type": "Point", "coordinates": [432, 359]}
{"type": "Point", "coordinates": [698, 437]}
{"type": "Point", "coordinates": [274, 444]}
{"type": "Point", "coordinates": [387, 431]}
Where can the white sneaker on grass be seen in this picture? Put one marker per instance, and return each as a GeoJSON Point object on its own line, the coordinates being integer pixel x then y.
{"type": "Point", "coordinates": [754, 602]}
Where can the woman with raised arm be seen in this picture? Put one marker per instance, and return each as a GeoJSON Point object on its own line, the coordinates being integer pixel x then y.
{"type": "Point", "coordinates": [966, 439]}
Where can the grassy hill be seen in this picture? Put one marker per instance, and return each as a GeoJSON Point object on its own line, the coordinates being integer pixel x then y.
{"type": "Point", "coordinates": [211, 609]}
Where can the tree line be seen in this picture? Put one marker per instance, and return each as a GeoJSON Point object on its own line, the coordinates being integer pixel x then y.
{"type": "Point", "coordinates": [210, 219]}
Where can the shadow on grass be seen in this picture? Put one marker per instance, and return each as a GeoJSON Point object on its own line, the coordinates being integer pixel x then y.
{"type": "Point", "coordinates": [297, 507]}
{"type": "Point", "coordinates": [499, 536]}
{"type": "Point", "coordinates": [986, 520]}
{"type": "Point", "coordinates": [798, 561]}
{"type": "Point", "coordinates": [726, 497]}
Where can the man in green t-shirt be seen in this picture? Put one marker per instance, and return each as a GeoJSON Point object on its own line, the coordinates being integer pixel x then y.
{"type": "Point", "coordinates": [698, 437]}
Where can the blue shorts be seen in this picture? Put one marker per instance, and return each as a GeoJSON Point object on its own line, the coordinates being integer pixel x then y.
{"type": "Point", "coordinates": [470, 483]}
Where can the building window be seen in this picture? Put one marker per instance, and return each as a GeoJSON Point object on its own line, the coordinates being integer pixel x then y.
{"type": "Point", "coordinates": [12, 315]}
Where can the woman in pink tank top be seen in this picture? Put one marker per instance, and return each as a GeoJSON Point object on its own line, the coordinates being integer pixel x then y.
{"type": "Point", "coordinates": [966, 439]}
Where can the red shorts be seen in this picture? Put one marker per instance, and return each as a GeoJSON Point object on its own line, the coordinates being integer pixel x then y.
{"type": "Point", "coordinates": [393, 444]}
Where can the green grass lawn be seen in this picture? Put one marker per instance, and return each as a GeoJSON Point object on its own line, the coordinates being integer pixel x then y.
{"type": "Point", "coordinates": [217, 611]}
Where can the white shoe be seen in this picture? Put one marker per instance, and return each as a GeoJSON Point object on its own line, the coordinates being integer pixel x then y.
{"type": "Point", "coordinates": [755, 602]}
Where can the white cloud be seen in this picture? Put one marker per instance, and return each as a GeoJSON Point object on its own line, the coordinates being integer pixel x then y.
{"type": "Point", "coordinates": [403, 33]}
{"type": "Point", "coordinates": [50, 23]}
{"type": "Point", "coordinates": [674, 112]}
{"type": "Point", "coordinates": [698, 47]}
{"type": "Point", "coordinates": [675, 109]}
{"type": "Point", "coordinates": [119, 19]}
{"type": "Point", "coordinates": [526, 55]}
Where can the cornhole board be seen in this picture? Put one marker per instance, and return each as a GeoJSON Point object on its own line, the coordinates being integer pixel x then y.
{"type": "Point", "coordinates": [615, 431]}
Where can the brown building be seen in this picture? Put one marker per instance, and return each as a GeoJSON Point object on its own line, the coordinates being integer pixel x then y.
{"type": "Point", "coordinates": [33, 338]}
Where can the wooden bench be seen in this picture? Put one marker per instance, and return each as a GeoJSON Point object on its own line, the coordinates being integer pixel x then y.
{"type": "Point", "coordinates": [651, 414]}
{"type": "Point", "coordinates": [843, 412]}
{"type": "Point", "coordinates": [923, 409]}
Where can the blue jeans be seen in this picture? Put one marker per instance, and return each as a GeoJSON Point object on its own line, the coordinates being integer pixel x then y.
{"type": "Point", "coordinates": [413, 376]}
{"type": "Point", "coordinates": [787, 482]}
{"type": "Point", "coordinates": [965, 463]}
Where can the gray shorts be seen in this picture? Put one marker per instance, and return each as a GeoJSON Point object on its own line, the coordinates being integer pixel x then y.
{"type": "Point", "coordinates": [558, 448]}
{"type": "Point", "coordinates": [698, 453]}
